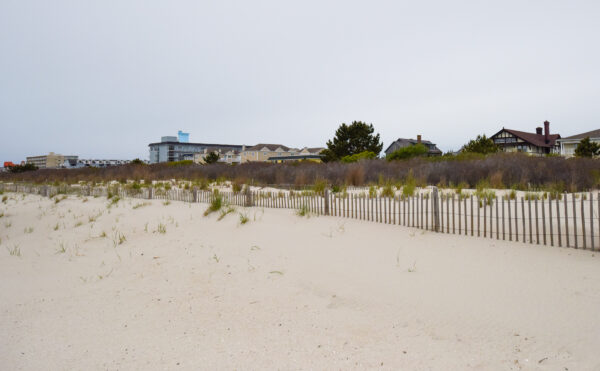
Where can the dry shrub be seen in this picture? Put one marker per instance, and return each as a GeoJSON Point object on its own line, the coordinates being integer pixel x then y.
{"type": "Point", "coordinates": [355, 175]}
{"type": "Point", "coordinates": [496, 180]}
{"type": "Point", "coordinates": [300, 179]}
{"type": "Point", "coordinates": [518, 170]}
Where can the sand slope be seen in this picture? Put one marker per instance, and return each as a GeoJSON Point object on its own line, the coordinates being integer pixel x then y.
{"type": "Point", "coordinates": [280, 292]}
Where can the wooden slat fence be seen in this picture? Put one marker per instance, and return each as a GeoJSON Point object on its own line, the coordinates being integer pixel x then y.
{"type": "Point", "coordinates": [564, 220]}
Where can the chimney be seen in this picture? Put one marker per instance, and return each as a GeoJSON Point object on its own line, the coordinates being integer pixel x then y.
{"type": "Point", "coordinates": [547, 131]}
{"type": "Point", "coordinates": [538, 130]}
{"type": "Point", "coordinates": [419, 139]}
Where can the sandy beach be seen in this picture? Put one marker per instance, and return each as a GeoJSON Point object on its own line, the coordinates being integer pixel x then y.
{"type": "Point", "coordinates": [152, 285]}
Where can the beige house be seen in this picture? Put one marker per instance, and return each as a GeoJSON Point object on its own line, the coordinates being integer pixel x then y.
{"type": "Point", "coordinates": [568, 144]}
{"type": "Point", "coordinates": [49, 161]}
{"type": "Point", "coordinates": [262, 152]}
{"type": "Point", "coordinates": [230, 157]}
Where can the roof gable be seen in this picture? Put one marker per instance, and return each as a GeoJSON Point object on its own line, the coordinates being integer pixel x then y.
{"type": "Point", "coordinates": [268, 147]}
{"type": "Point", "coordinates": [408, 141]}
{"type": "Point", "coordinates": [591, 134]}
{"type": "Point", "coordinates": [538, 140]}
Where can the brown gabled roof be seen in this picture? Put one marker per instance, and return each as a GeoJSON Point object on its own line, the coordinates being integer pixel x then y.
{"type": "Point", "coordinates": [533, 138]}
{"type": "Point", "coordinates": [433, 149]}
{"type": "Point", "coordinates": [316, 150]}
{"type": "Point", "coordinates": [591, 134]}
{"type": "Point", "coordinates": [271, 147]}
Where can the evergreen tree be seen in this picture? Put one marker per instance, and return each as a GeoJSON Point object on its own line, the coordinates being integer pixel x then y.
{"type": "Point", "coordinates": [587, 148]}
{"type": "Point", "coordinates": [481, 144]}
{"type": "Point", "coordinates": [351, 140]}
{"type": "Point", "coordinates": [211, 158]}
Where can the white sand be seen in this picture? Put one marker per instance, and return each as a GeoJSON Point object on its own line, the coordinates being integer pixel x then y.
{"type": "Point", "coordinates": [281, 292]}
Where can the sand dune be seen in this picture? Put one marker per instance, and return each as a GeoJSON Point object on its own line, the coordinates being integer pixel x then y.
{"type": "Point", "coordinates": [144, 285]}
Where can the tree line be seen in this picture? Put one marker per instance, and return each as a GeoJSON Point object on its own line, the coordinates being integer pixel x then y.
{"type": "Point", "coordinates": [358, 141]}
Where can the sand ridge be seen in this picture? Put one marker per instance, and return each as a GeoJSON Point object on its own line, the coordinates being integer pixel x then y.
{"type": "Point", "coordinates": [98, 287]}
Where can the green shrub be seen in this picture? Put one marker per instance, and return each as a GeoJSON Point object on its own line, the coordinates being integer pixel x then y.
{"type": "Point", "coordinates": [372, 191]}
{"type": "Point", "coordinates": [388, 191]}
{"type": "Point", "coordinates": [486, 196]}
{"type": "Point", "coordinates": [319, 186]}
{"type": "Point", "coordinates": [366, 155]}
{"type": "Point", "coordinates": [405, 153]}
{"type": "Point", "coordinates": [22, 168]}
{"type": "Point", "coordinates": [459, 188]}
{"type": "Point", "coordinates": [181, 163]}
{"type": "Point", "coordinates": [236, 187]}
{"type": "Point", "coordinates": [531, 196]}
{"type": "Point", "coordinates": [410, 184]}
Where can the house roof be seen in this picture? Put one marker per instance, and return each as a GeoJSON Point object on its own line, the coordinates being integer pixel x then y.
{"type": "Point", "coordinates": [189, 144]}
{"type": "Point", "coordinates": [591, 134]}
{"type": "Point", "coordinates": [414, 141]}
{"type": "Point", "coordinates": [271, 147]}
{"type": "Point", "coordinates": [538, 140]}
{"type": "Point", "coordinates": [315, 150]}
{"type": "Point", "coordinates": [295, 157]}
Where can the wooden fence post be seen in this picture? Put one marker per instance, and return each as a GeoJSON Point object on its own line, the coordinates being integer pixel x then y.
{"type": "Point", "coordinates": [592, 220]}
{"type": "Point", "coordinates": [566, 220]}
{"type": "Point", "coordinates": [150, 193]}
{"type": "Point", "coordinates": [575, 220]}
{"type": "Point", "coordinates": [326, 202]}
{"type": "Point", "coordinates": [435, 209]}
{"type": "Point", "coordinates": [248, 201]}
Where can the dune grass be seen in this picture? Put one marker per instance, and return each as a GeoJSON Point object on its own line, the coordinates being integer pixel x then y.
{"type": "Point", "coordinates": [14, 251]}
{"type": "Point", "coordinates": [118, 238]}
{"type": "Point", "coordinates": [215, 205]}
{"type": "Point", "coordinates": [61, 248]}
{"type": "Point", "coordinates": [303, 211]}
{"type": "Point", "coordinates": [142, 204]}
{"type": "Point", "coordinates": [224, 211]}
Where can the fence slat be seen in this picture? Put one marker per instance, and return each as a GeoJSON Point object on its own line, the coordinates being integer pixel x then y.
{"type": "Point", "coordinates": [484, 218]}
{"type": "Point", "coordinates": [550, 220]}
{"type": "Point", "coordinates": [543, 221]}
{"type": "Point", "coordinates": [592, 221]}
{"type": "Point", "coordinates": [491, 219]}
{"type": "Point", "coordinates": [537, 226]}
{"type": "Point", "coordinates": [453, 227]}
{"type": "Point", "coordinates": [471, 215]}
{"type": "Point", "coordinates": [523, 217]}
{"type": "Point", "coordinates": [503, 230]}
{"type": "Point", "coordinates": [583, 223]}
{"type": "Point", "coordinates": [530, 221]}
{"type": "Point", "coordinates": [447, 214]}
{"type": "Point", "coordinates": [575, 221]}
{"type": "Point", "coordinates": [422, 212]}
{"type": "Point", "coordinates": [566, 220]}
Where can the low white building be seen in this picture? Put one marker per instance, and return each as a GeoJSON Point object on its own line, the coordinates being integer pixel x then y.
{"type": "Point", "coordinates": [568, 144]}
{"type": "Point", "coordinates": [80, 163]}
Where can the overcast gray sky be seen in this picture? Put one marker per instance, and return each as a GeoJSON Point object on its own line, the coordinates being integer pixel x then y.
{"type": "Point", "coordinates": [104, 78]}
